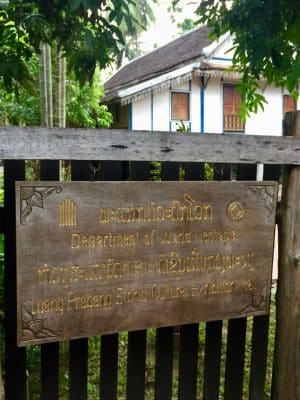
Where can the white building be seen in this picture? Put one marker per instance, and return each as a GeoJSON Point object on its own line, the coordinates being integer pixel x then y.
{"type": "Point", "coordinates": [189, 80]}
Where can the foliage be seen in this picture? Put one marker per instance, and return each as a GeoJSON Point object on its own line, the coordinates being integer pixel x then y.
{"type": "Point", "coordinates": [143, 14]}
{"type": "Point", "coordinates": [83, 108]}
{"type": "Point", "coordinates": [21, 107]}
{"type": "Point", "coordinates": [186, 25]}
{"type": "Point", "coordinates": [87, 30]}
{"type": "Point", "coordinates": [266, 42]}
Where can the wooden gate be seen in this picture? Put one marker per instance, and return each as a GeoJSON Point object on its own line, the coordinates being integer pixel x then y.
{"type": "Point", "coordinates": [196, 361]}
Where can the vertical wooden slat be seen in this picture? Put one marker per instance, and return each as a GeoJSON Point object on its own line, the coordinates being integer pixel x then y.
{"type": "Point", "coordinates": [165, 336]}
{"type": "Point", "coordinates": [235, 356]}
{"type": "Point", "coordinates": [188, 347]}
{"type": "Point", "coordinates": [286, 372]}
{"type": "Point", "coordinates": [194, 171]}
{"type": "Point", "coordinates": [188, 361]}
{"type": "Point", "coordinates": [212, 360]}
{"type": "Point", "coordinates": [272, 172]}
{"type": "Point", "coordinates": [260, 324]}
{"type": "Point", "coordinates": [259, 357]}
{"type": "Point", "coordinates": [164, 363]}
{"type": "Point", "coordinates": [236, 336]}
{"type": "Point", "coordinates": [15, 358]}
{"type": "Point", "coordinates": [78, 366]}
{"type": "Point", "coordinates": [78, 369]}
{"type": "Point", "coordinates": [246, 172]}
{"type": "Point", "coordinates": [109, 171]}
{"type": "Point", "coordinates": [222, 172]}
{"type": "Point", "coordinates": [136, 358]}
{"type": "Point", "coordinates": [136, 362]}
{"type": "Point", "coordinates": [1, 219]}
{"type": "Point", "coordinates": [49, 371]}
{"type": "Point", "coordinates": [169, 171]}
{"type": "Point", "coordinates": [109, 367]}
{"type": "Point", "coordinates": [213, 331]}
{"type": "Point", "coordinates": [49, 170]}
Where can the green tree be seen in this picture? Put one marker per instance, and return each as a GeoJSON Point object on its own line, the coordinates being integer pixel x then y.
{"type": "Point", "coordinates": [186, 25]}
{"type": "Point", "coordinates": [142, 12]}
{"type": "Point", "coordinates": [82, 103]}
{"type": "Point", "coordinates": [87, 31]}
{"type": "Point", "coordinates": [266, 42]}
{"type": "Point", "coordinates": [83, 107]}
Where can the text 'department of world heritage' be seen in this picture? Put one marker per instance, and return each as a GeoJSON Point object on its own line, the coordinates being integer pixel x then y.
{"type": "Point", "coordinates": [103, 257]}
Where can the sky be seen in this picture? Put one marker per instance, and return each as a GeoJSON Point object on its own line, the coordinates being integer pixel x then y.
{"type": "Point", "coordinates": [164, 30]}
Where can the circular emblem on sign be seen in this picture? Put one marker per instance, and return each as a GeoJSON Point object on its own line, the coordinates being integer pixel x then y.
{"type": "Point", "coordinates": [235, 210]}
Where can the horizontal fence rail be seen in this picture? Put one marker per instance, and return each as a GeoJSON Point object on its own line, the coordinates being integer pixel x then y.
{"type": "Point", "coordinates": [120, 145]}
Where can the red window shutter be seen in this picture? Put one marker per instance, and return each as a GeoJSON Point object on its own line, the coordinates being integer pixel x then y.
{"type": "Point", "coordinates": [232, 104]}
{"type": "Point", "coordinates": [180, 106]}
{"type": "Point", "coordinates": [289, 103]}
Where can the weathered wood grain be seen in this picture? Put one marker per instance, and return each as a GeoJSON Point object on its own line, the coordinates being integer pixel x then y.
{"type": "Point", "coordinates": [287, 347]}
{"type": "Point", "coordinates": [106, 257]}
{"type": "Point", "coordinates": [70, 144]}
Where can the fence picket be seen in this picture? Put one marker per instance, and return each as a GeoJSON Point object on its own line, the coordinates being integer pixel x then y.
{"type": "Point", "coordinates": [78, 362]}
{"type": "Point", "coordinates": [49, 170]}
{"type": "Point", "coordinates": [212, 360]}
{"type": "Point", "coordinates": [259, 357]}
{"type": "Point", "coordinates": [164, 363]}
{"type": "Point", "coordinates": [235, 356]}
{"type": "Point", "coordinates": [15, 358]}
{"type": "Point", "coordinates": [109, 171]}
{"type": "Point", "coordinates": [188, 362]}
{"type": "Point", "coordinates": [136, 358]}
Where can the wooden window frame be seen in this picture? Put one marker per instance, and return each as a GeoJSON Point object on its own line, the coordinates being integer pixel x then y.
{"type": "Point", "coordinates": [231, 121]}
{"type": "Point", "coordinates": [186, 93]}
{"type": "Point", "coordinates": [288, 107]}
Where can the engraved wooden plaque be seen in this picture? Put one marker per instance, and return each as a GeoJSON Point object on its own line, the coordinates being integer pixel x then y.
{"type": "Point", "coordinates": [101, 257]}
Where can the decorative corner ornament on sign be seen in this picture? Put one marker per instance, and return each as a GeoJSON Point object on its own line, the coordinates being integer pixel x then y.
{"type": "Point", "coordinates": [265, 195]}
{"type": "Point", "coordinates": [33, 196]}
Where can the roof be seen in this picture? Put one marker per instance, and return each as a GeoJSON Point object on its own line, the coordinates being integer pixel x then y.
{"type": "Point", "coordinates": [177, 53]}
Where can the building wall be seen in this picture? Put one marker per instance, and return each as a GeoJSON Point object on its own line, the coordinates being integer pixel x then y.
{"type": "Point", "coordinates": [269, 121]}
{"type": "Point", "coordinates": [161, 111]}
{"type": "Point", "coordinates": [154, 112]}
{"type": "Point", "coordinates": [141, 114]}
{"type": "Point", "coordinates": [213, 106]}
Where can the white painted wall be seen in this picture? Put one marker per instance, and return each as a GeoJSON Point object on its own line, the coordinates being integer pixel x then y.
{"type": "Point", "coordinates": [161, 111]}
{"type": "Point", "coordinates": [213, 106]}
{"type": "Point", "coordinates": [141, 114]}
{"type": "Point", "coordinates": [269, 121]}
{"type": "Point", "coordinates": [184, 86]}
{"type": "Point", "coordinates": [224, 50]}
{"type": "Point", "coordinates": [195, 105]}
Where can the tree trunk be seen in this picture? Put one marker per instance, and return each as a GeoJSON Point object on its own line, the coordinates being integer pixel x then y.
{"type": "Point", "coordinates": [46, 86]}
{"type": "Point", "coordinates": [286, 378]}
{"type": "Point", "coordinates": [60, 91]}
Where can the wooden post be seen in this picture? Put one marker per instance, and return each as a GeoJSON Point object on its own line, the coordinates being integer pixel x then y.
{"type": "Point", "coordinates": [286, 379]}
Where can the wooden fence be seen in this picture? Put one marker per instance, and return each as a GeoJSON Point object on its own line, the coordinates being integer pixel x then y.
{"type": "Point", "coordinates": [127, 155]}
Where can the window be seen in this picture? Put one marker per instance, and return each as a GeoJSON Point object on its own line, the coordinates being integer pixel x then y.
{"type": "Point", "coordinates": [231, 107]}
{"type": "Point", "coordinates": [180, 104]}
{"type": "Point", "coordinates": [289, 103]}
